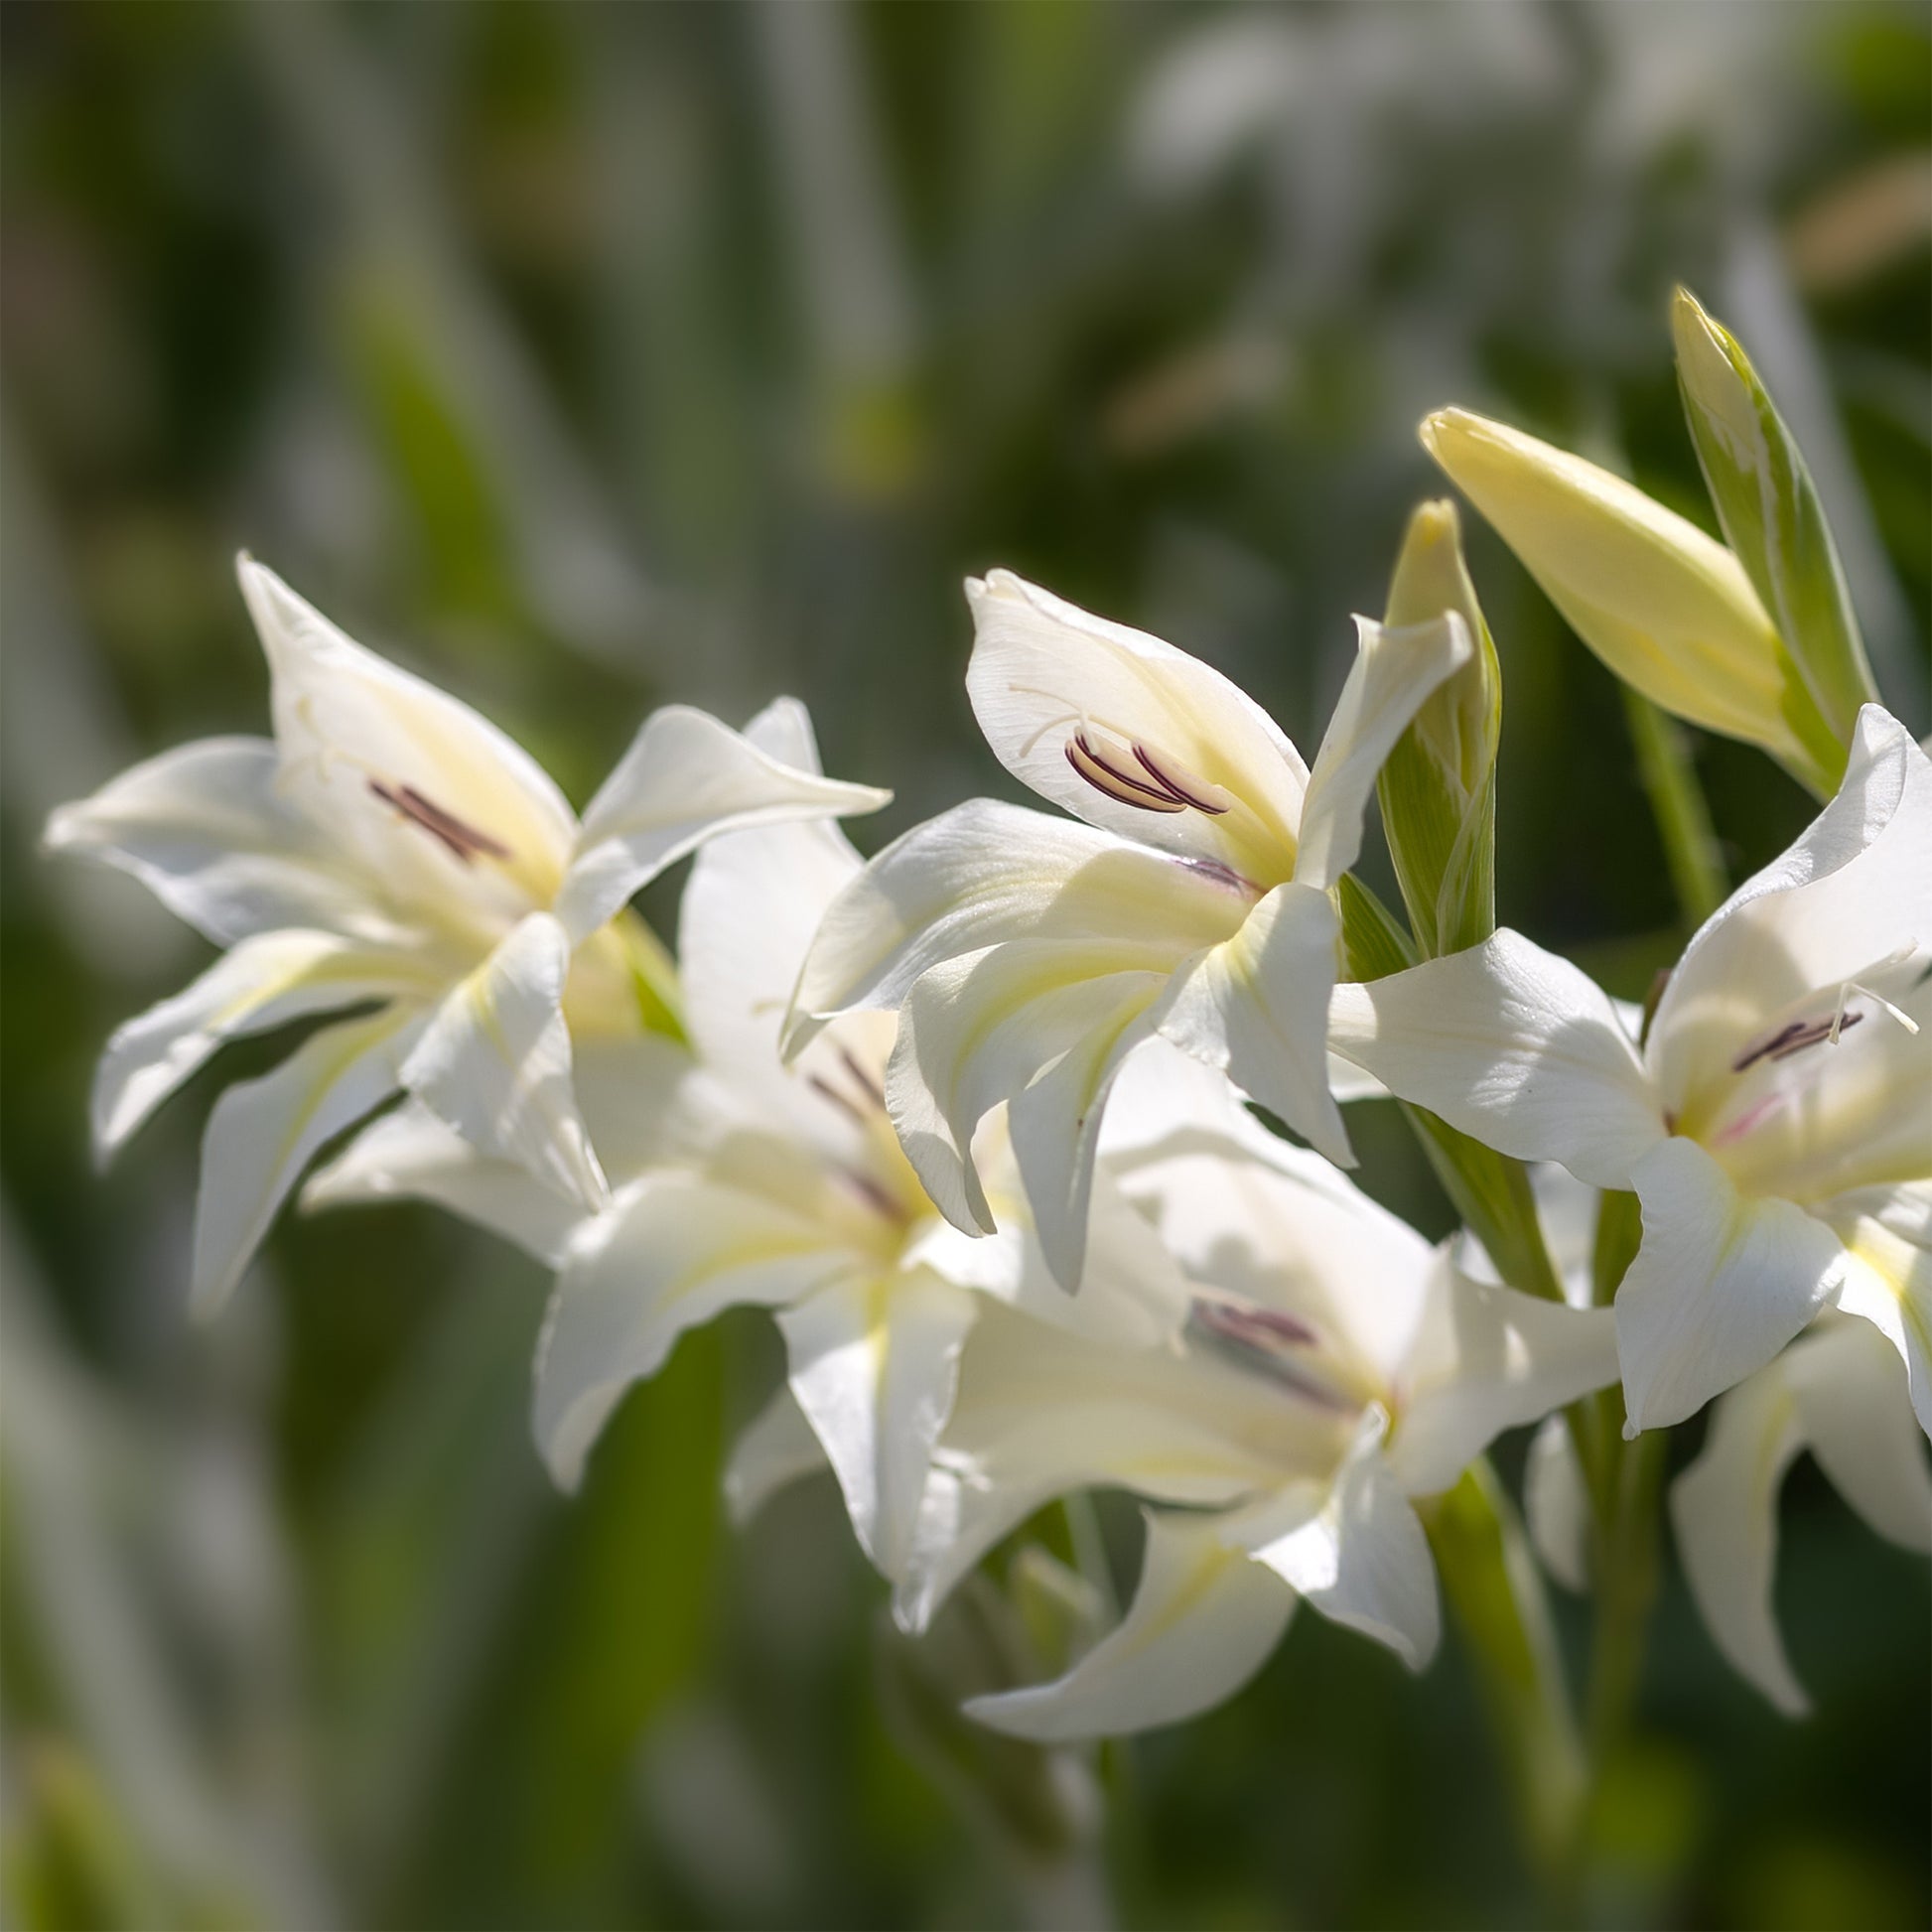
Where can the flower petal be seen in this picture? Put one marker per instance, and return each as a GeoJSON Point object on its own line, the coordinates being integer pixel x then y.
{"type": "Point", "coordinates": [205, 829]}
{"type": "Point", "coordinates": [984, 873]}
{"type": "Point", "coordinates": [494, 1062]}
{"type": "Point", "coordinates": [1488, 1358]}
{"type": "Point", "coordinates": [1044, 672]}
{"type": "Point", "coordinates": [1393, 672]}
{"type": "Point", "coordinates": [263, 1132]}
{"type": "Point", "coordinates": [874, 1363]}
{"type": "Point", "coordinates": [1556, 1504]}
{"type": "Point", "coordinates": [1204, 1619]}
{"type": "Point", "coordinates": [685, 778]}
{"type": "Point", "coordinates": [1889, 1234]}
{"type": "Point", "coordinates": [672, 1251]}
{"type": "Point", "coordinates": [775, 1449]}
{"type": "Point", "coordinates": [1725, 1511]}
{"type": "Point", "coordinates": [1719, 1284]}
{"type": "Point", "coordinates": [382, 760]}
{"type": "Point", "coordinates": [1853, 889]}
{"type": "Point", "coordinates": [263, 982]}
{"type": "Point", "coordinates": [1512, 1045]}
{"type": "Point", "coordinates": [1358, 1554]}
{"type": "Point", "coordinates": [1257, 1009]}
{"type": "Point", "coordinates": [411, 1155]}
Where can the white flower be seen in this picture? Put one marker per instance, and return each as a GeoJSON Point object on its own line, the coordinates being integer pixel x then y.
{"type": "Point", "coordinates": [1837, 1391]}
{"type": "Point", "coordinates": [1776, 1122]}
{"type": "Point", "coordinates": [1027, 956]}
{"type": "Point", "coordinates": [753, 1183]}
{"type": "Point", "coordinates": [1321, 1367]}
{"type": "Point", "coordinates": [390, 845]}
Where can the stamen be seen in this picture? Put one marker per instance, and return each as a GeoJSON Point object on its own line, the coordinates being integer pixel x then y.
{"type": "Point", "coordinates": [1840, 1018]}
{"type": "Point", "coordinates": [1115, 784]}
{"type": "Point", "coordinates": [865, 1082]}
{"type": "Point", "coordinates": [842, 1101]}
{"type": "Point", "coordinates": [462, 840]}
{"type": "Point", "coordinates": [1188, 786]}
{"type": "Point", "coordinates": [874, 1196]}
{"type": "Point", "coordinates": [1264, 1339]}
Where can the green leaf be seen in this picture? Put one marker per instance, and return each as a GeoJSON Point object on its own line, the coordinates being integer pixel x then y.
{"type": "Point", "coordinates": [1775, 525]}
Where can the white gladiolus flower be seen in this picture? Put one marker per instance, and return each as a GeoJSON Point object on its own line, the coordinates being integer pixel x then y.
{"type": "Point", "coordinates": [757, 1184]}
{"type": "Point", "coordinates": [391, 846]}
{"type": "Point", "coordinates": [1028, 955]}
{"type": "Point", "coordinates": [1776, 1122]}
{"type": "Point", "coordinates": [1838, 1392]}
{"type": "Point", "coordinates": [1322, 1366]}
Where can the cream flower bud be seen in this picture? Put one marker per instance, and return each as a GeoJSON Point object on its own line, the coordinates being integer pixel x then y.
{"type": "Point", "coordinates": [1669, 610]}
{"type": "Point", "coordinates": [1438, 789]}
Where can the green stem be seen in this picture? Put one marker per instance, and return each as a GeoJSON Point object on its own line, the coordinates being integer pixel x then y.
{"type": "Point", "coordinates": [1696, 869]}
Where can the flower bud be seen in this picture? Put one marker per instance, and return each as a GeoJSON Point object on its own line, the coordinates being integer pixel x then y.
{"type": "Point", "coordinates": [1772, 519]}
{"type": "Point", "coordinates": [1670, 611]}
{"type": "Point", "coordinates": [1439, 786]}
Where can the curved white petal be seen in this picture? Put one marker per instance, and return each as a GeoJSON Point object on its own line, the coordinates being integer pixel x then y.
{"type": "Point", "coordinates": [1357, 1552]}
{"type": "Point", "coordinates": [875, 1360]}
{"type": "Point", "coordinates": [379, 758]}
{"type": "Point", "coordinates": [1719, 1284]}
{"type": "Point", "coordinates": [411, 1155]}
{"type": "Point", "coordinates": [1556, 1504]}
{"type": "Point", "coordinates": [1856, 887]}
{"type": "Point", "coordinates": [1256, 1008]}
{"type": "Point", "coordinates": [1203, 1620]}
{"type": "Point", "coordinates": [1725, 1510]}
{"type": "Point", "coordinates": [261, 983]}
{"type": "Point", "coordinates": [776, 1449]}
{"type": "Point", "coordinates": [1856, 1418]}
{"type": "Point", "coordinates": [685, 778]}
{"type": "Point", "coordinates": [1044, 672]}
{"type": "Point", "coordinates": [1041, 1025]}
{"type": "Point", "coordinates": [1486, 1358]}
{"type": "Point", "coordinates": [985, 873]}
{"type": "Point", "coordinates": [1515, 1048]}
{"type": "Point", "coordinates": [263, 1132]}
{"type": "Point", "coordinates": [672, 1251]}
{"type": "Point", "coordinates": [1887, 1232]}
{"type": "Point", "coordinates": [494, 1062]}
{"type": "Point", "coordinates": [1043, 1410]}
{"type": "Point", "coordinates": [205, 829]}
{"type": "Point", "coordinates": [1393, 672]}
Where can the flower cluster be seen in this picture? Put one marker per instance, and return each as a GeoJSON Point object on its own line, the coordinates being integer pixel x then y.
{"type": "Point", "coordinates": [983, 1120]}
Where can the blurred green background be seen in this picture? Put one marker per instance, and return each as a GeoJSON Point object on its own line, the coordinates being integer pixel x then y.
{"type": "Point", "coordinates": [585, 356]}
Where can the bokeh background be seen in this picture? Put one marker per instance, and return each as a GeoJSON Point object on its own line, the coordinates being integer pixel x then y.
{"type": "Point", "coordinates": [585, 356]}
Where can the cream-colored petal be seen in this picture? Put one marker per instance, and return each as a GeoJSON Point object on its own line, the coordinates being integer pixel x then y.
{"type": "Point", "coordinates": [1887, 1232]}
{"type": "Point", "coordinates": [776, 1449]}
{"type": "Point", "coordinates": [874, 1362]}
{"type": "Point", "coordinates": [1164, 725]}
{"type": "Point", "coordinates": [206, 830]}
{"type": "Point", "coordinates": [1486, 1358]}
{"type": "Point", "coordinates": [1355, 1550]}
{"type": "Point", "coordinates": [262, 983]}
{"type": "Point", "coordinates": [411, 1155]}
{"type": "Point", "coordinates": [1725, 1510]}
{"type": "Point", "coordinates": [263, 1132]}
{"type": "Point", "coordinates": [686, 778]}
{"type": "Point", "coordinates": [1854, 889]}
{"type": "Point", "coordinates": [1256, 1008]}
{"type": "Point", "coordinates": [1556, 1504]}
{"type": "Point", "coordinates": [1719, 1284]}
{"type": "Point", "coordinates": [1393, 672]}
{"type": "Point", "coordinates": [1203, 1620]}
{"type": "Point", "coordinates": [494, 1062]}
{"type": "Point", "coordinates": [433, 800]}
{"type": "Point", "coordinates": [672, 1251]}
{"type": "Point", "coordinates": [1512, 1045]}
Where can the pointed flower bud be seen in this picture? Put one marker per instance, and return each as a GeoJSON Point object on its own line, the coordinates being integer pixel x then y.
{"type": "Point", "coordinates": [1669, 610]}
{"type": "Point", "coordinates": [1439, 786]}
{"type": "Point", "coordinates": [1771, 517]}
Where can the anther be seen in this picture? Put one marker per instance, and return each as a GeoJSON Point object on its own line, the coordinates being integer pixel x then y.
{"type": "Point", "coordinates": [461, 841]}
{"type": "Point", "coordinates": [1115, 784]}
